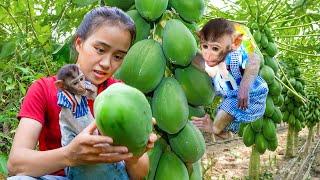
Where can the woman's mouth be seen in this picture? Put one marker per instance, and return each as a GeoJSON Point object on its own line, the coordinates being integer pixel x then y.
{"type": "Point", "coordinates": [99, 74]}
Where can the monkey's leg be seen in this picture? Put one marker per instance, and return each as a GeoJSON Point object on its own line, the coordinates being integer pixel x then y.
{"type": "Point", "coordinates": [222, 120]}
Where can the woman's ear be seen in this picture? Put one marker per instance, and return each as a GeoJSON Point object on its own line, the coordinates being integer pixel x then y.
{"type": "Point", "coordinates": [77, 43]}
{"type": "Point", "coordinates": [237, 40]}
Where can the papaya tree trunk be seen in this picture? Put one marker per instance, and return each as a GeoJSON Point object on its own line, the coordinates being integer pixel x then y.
{"type": "Point", "coordinates": [310, 135]}
{"type": "Point", "coordinates": [254, 164]}
{"type": "Point", "coordinates": [296, 140]}
{"type": "Point", "coordinates": [290, 142]}
{"type": "Point", "coordinates": [318, 129]}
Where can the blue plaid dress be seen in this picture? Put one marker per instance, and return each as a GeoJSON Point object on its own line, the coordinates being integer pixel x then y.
{"type": "Point", "coordinates": [227, 88]}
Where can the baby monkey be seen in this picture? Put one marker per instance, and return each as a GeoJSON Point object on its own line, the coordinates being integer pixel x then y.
{"type": "Point", "coordinates": [73, 92]}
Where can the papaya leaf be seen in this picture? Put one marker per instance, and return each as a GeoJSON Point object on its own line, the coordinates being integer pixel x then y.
{"type": "Point", "coordinates": [81, 3]}
{"type": "Point", "coordinates": [3, 164]}
{"type": "Point", "coordinates": [8, 49]}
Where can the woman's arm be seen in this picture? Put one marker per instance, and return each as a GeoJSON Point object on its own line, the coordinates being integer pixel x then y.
{"type": "Point", "coordinates": [83, 149]}
{"type": "Point", "coordinates": [250, 73]}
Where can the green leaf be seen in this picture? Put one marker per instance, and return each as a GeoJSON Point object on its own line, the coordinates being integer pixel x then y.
{"type": "Point", "coordinates": [3, 164]}
{"type": "Point", "coordinates": [8, 49]}
{"type": "Point", "coordinates": [83, 2]}
{"type": "Point", "coordinates": [10, 86]}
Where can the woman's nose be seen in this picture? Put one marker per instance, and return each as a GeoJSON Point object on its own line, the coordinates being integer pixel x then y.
{"type": "Point", "coordinates": [105, 62]}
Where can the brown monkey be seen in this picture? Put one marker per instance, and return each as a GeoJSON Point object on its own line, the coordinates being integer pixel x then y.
{"type": "Point", "coordinates": [73, 92]}
{"type": "Point", "coordinates": [232, 60]}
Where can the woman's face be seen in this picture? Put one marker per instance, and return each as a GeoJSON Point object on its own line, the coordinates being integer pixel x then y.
{"type": "Point", "coordinates": [102, 53]}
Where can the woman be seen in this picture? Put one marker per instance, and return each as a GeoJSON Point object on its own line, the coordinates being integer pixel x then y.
{"type": "Point", "coordinates": [102, 40]}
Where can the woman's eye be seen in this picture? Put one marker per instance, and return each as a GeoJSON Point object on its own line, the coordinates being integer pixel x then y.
{"type": "Point", "coordinates": [118, 58]}
{"type": "Point", "coordinates": [205, 46]}
{"type": "Point", "coordinates": [99, 50]}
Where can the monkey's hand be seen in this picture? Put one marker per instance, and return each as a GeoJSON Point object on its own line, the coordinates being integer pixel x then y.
{"type": "Point", "coordinates": [92, 90]}
{"type": "Point", "coordinates": [243, 95]}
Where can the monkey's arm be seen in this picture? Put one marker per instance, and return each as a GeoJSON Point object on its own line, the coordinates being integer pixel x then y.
{"type": "Point", "coordinates": [250, 73]}
{"type": "Point", "coordinates": [92, 91]}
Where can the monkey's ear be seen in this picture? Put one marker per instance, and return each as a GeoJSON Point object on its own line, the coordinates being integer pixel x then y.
{"type": "Point", "coordinates": [237, 40]}
{"type": "Point", "coordinates": [59, 84]}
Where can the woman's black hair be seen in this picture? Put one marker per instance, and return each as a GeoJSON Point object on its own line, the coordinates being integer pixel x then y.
{"type": "Point", "coordinates": [105, 15]}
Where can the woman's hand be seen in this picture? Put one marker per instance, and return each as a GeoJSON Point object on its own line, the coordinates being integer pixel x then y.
{"type": "Point", "coordinates": [87, 148]}
{"type": "Point", "coordinates": [203, 123]}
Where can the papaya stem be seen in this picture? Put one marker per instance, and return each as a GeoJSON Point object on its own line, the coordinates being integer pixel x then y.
{"type": "Point", "coordinates": [318, 129]}
{"type": "Point", "coordinates": [290, 139]}
{"type": "Point", "coordinates": [303, 35]}
{"type": "Point", "coordinates": [289, 89]}
{"type": "Point", "coordinates": [271, 13]}
{"type": "Point", "coordinates": [286, 20]}
{"type": "Point", "coordinates": [309, 139]}
{"type": "Point", "coordinates": [254, 164]}
{"type": "Point", "coordinates": [290, 27]}
{"type": "Point", "coordinates": [297, 52]}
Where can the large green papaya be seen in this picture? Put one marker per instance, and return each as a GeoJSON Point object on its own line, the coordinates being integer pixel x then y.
{"type": "Point", "coordinates": [188, 144]}
{"type": "Point", "coordinates": [269, 107]}
{"type": "Point", "coordinates": [272, 145]}
{"type": "Point", "coordinates": [275, 88]}
{"type": "Point", "coordinates": [257, 125]}
{"type": "Point", "coordinates": [179, 45]}
{"type": "Point", "coordinates": [271, 49]}
{"type": "Point", "coordinates": [248, 136]}
{"type": "Point", "coordinates": [123, 113]}
{"type": "Point", "coordinates": [196, 111]}
{"type": "Point", "coordinates": [196, 85]}
{"type": "Point", "coordinates": [169, 105]}
{"type": "Point", "coordinates": [241, 129]}
{"type": "Point", "coordinates": [277, 116]}
{"type": "Point", "coordinates": [144, 65]}
{"type": "Point", "coordinates": [171, 167]}
{"type": "Point", "coordinates": [190, 11]}
{"type": "Point", "coordinates": [264, 41]}
{"type": "Point", "coordinates": [123, 4]}
{"type": "Point", "coordinates": [151, 9]}
{"type": "Point", "coordinates": [142, 26]}
{"type": "Point", "coordinates": [195, 172]}
{"type": "Point", "coordinates": [269, 129]}
{"type": "Point", "coordinates": [267, 74]}
{"type": "Point", "coordinates": [261, 143]}
{"type": "Point", "coordinates": [154, 157]}
{"type": "Point", "coordinates": [271, 62]}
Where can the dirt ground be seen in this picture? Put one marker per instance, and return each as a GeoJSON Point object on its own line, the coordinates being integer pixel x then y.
{"type": "Point", "coordinates": [230, 160]}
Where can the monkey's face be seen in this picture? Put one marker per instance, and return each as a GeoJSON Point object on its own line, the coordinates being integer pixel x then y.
{"type": "Point", "coordinates": [215, 52]}
{"type": "Point", "coordinates": [102, 53]}
{"type": "Point", "coordinates": [76, 85]}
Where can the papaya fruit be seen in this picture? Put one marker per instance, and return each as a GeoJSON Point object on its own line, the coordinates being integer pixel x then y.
{"type": "Point", "coordinates": [241, 129]}
{"type": "Point", "coordinates": [169, 105]}
{"type": "Point", "coordinates": [269, 129]}
{"type": "Point", "coordinates": [170, 166]}
{"type": "Point", "coordinates": [275, 88]}
{"type": "Point", "coordinates": [257, 36]}
{"type": "Point", "coordinates": [151, 10]}
{"type": "Point", "coordinates": [248, 136]}
{"type": "Point", "coordinates": [123, 4]}
{"type": "Point", "coordinates": [196, 111]}
{"type": "Point", "coordinates": [196, 85]}
{"type": "Point", "coordinates": [271, 62]}
{"type": "Point", "coordinates": [188, 144]}
{"type": "Point", "coordinates": [271, 49]}
{"type": "Point", "coordinates": [257, 125]}
{"type": "Point", "coordinates": [143, 66]}
{"type": "Point", "coordinates": [264, 41]}
{"type": "Point", "coordinates": [154, 156]}
{"type": "Point", "coordinates": [190, 11]}
{"type": "Point", "coordinates": [142, 26]}
{"type": "Point", "coordinates": [273, 144]}
{"type": "Point", "coordinates": [261, 143]}
{"type": "Point", "coordinates": [195, 172]}
{"type": "Point", "coordinates": [269, 107]}
{"type": "Point", "coordinates": [179, 45]}
{"type": "Point", "coordinates": [124, 114]}
{"type": "Point", "coordinates": [277, 116]}
{"type": "Point", "coordinates": [267, 74]}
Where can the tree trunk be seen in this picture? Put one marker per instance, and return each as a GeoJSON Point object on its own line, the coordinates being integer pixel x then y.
{"type": "Point", "coordinates": [254, 165]}
{"type": "Point", "coordinates": [290, 142]}
{"type": "Point", "coordinates": [310, 135]}
{"type": "Point", "coordinates": [318, 129]}
{"type": "Point", "coordinates": [296, 140]}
